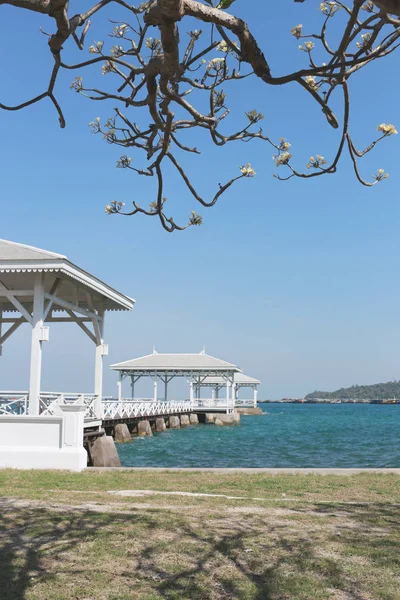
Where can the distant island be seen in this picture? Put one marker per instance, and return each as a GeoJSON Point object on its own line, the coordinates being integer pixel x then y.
{"type": "Point", "coordinates": [378, 391]}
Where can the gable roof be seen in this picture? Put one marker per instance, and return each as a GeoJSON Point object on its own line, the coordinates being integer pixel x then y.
{"type": "Point", "coordinates": [176, 362]}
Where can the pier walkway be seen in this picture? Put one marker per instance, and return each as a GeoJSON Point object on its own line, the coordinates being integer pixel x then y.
{"type": "Point", "coordinates": [113, 409]}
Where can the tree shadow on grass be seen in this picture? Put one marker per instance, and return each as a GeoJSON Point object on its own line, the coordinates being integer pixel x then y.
{"type": "Point", "coordinates": [168, 555]}
{"type": "Point", "coordinates": [40, 545]}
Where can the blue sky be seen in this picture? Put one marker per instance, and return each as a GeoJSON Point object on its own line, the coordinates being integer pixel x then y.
{"type": "Point", "coordinates": [295, 282]}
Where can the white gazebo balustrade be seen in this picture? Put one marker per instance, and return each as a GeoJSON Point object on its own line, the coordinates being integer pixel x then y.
{"type": "Point", "coordinates": [16, 403]}
{"type": "Point", "coordinates": [127, 408]}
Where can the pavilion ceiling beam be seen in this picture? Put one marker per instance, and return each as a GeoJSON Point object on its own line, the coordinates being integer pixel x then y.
{"type": "Point", "coordinates": [11, 320]}
{"type": "Point", "coordinates": [16, 292]}
{"type": "Point", "coordinates": [11, 330]}
{"type": "Point", "coordinates": [61, 320]}
{"type": "Point", "coordinates": [85, 329]}
{"type": "Point", "coordinates": [68, 305]}
{"type": "Point", "coordinates": [49, 303]}
{"type": "Point", "coordinates": [15, 302]}
{"type": "Point", "coordinates": [95, 321]}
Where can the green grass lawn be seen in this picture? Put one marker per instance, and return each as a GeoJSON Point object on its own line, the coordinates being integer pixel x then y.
{"type": "Point", "coordinates": [65, 536]}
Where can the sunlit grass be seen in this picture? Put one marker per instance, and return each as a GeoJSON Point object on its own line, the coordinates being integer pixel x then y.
{"type": "Point", "coordinates": [306, 537]}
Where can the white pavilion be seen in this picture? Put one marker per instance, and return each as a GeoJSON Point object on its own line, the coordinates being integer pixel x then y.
{"type": "Point", "coordinates": [38, 288]}
{"type": "Point", "coordinates": [195, 368]}
{"type": "Point", "coordinates": [240, 381]}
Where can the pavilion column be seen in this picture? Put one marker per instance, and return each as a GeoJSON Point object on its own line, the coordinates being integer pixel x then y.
{"type": "Point", "coordinates": [228, 386]}
{"type": "Point", "coordinates": [132, 387]}
{"type": "Point", "coordinates": [155, 388]}
{"type": "Point", "coordinates": [166, 387]}
{"type": "Point", "coordinates": [98, 365]}
{"type": "Point", "coordinates": [255, 396]}
{"type": "Point", "coordinates": [119, 386]}
{"type": "Point", "coordinates": [217, 392]}
{"type": "Point", "coordinates": [213, 394]}
{"type": "Point", "coordinates": [1, 323]}
{"type": "Point", "coordinates": [234, 394]}
{"type": "Point", "coordinates": [36, 345]}
{"type": "Point", "coordinates": [191, 392]}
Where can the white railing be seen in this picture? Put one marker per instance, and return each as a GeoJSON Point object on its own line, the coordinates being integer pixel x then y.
{"type": "Point", "coordinates": [245, 403]}
{"type": "Point", "coordinates": [16, 403]}
{"type": "Point", "coordinates": [49, 402]}
{"type": "Point", "coordinates": [212, 403]}
{"type": "Point", "coordinates": [13, 403]}
{"type": "Point", "coordinates": [143, 407]}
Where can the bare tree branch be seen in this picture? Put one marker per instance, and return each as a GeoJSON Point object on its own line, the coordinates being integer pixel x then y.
{"type": "Point", "coordinates": [165, 79]}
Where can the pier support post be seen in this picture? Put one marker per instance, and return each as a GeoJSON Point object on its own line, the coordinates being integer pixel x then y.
{"type": "Point", "coordinates": [103, 452]}
{"type": "Point", "coordinates": [255, 396]}
{"type": "Point", "coordinates": [144, 429]}
{"type": "Point", "coordinates": [160, 424]}
{"type": "Point", "coordinates": [122, 434]}
{"type": "Point", "coordinates": [185, 422]}
{"type": "Point", "coordinates": [174, 423]}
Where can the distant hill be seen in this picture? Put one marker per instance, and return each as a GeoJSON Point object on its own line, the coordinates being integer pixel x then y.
{"type": "Point", "coordinates": [378, 391]}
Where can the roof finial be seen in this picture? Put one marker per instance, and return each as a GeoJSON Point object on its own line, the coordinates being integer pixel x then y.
{"type": "Point", "coordinates": [154, 350]}
{"type": "Point", "coordinates": [203, 351]}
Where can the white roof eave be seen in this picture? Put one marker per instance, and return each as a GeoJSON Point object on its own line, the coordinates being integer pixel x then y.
{"type": "Point", "coordinates": [162, 369]}
{"type": "Point", "coordinates": [242, 380]}
{"type": "Point", "coordinates": [62, 265]}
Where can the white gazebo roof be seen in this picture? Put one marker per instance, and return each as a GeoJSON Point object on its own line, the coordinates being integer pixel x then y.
{"type": "Point", "coordinates": [20, 263]}
{"type": "Point", "coordinates": [11, 251]}
{"type": "Point", "coordinates": [174, 363]}
{"type": "Point", "coordinates": [240, 379]}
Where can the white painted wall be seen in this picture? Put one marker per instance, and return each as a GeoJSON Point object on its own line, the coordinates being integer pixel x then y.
{"type": "Point", "coordinates": [35, 442]}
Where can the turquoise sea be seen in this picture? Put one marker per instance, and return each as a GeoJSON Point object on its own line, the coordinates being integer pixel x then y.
{"type": "Point", "coordinates": [286, 435]}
